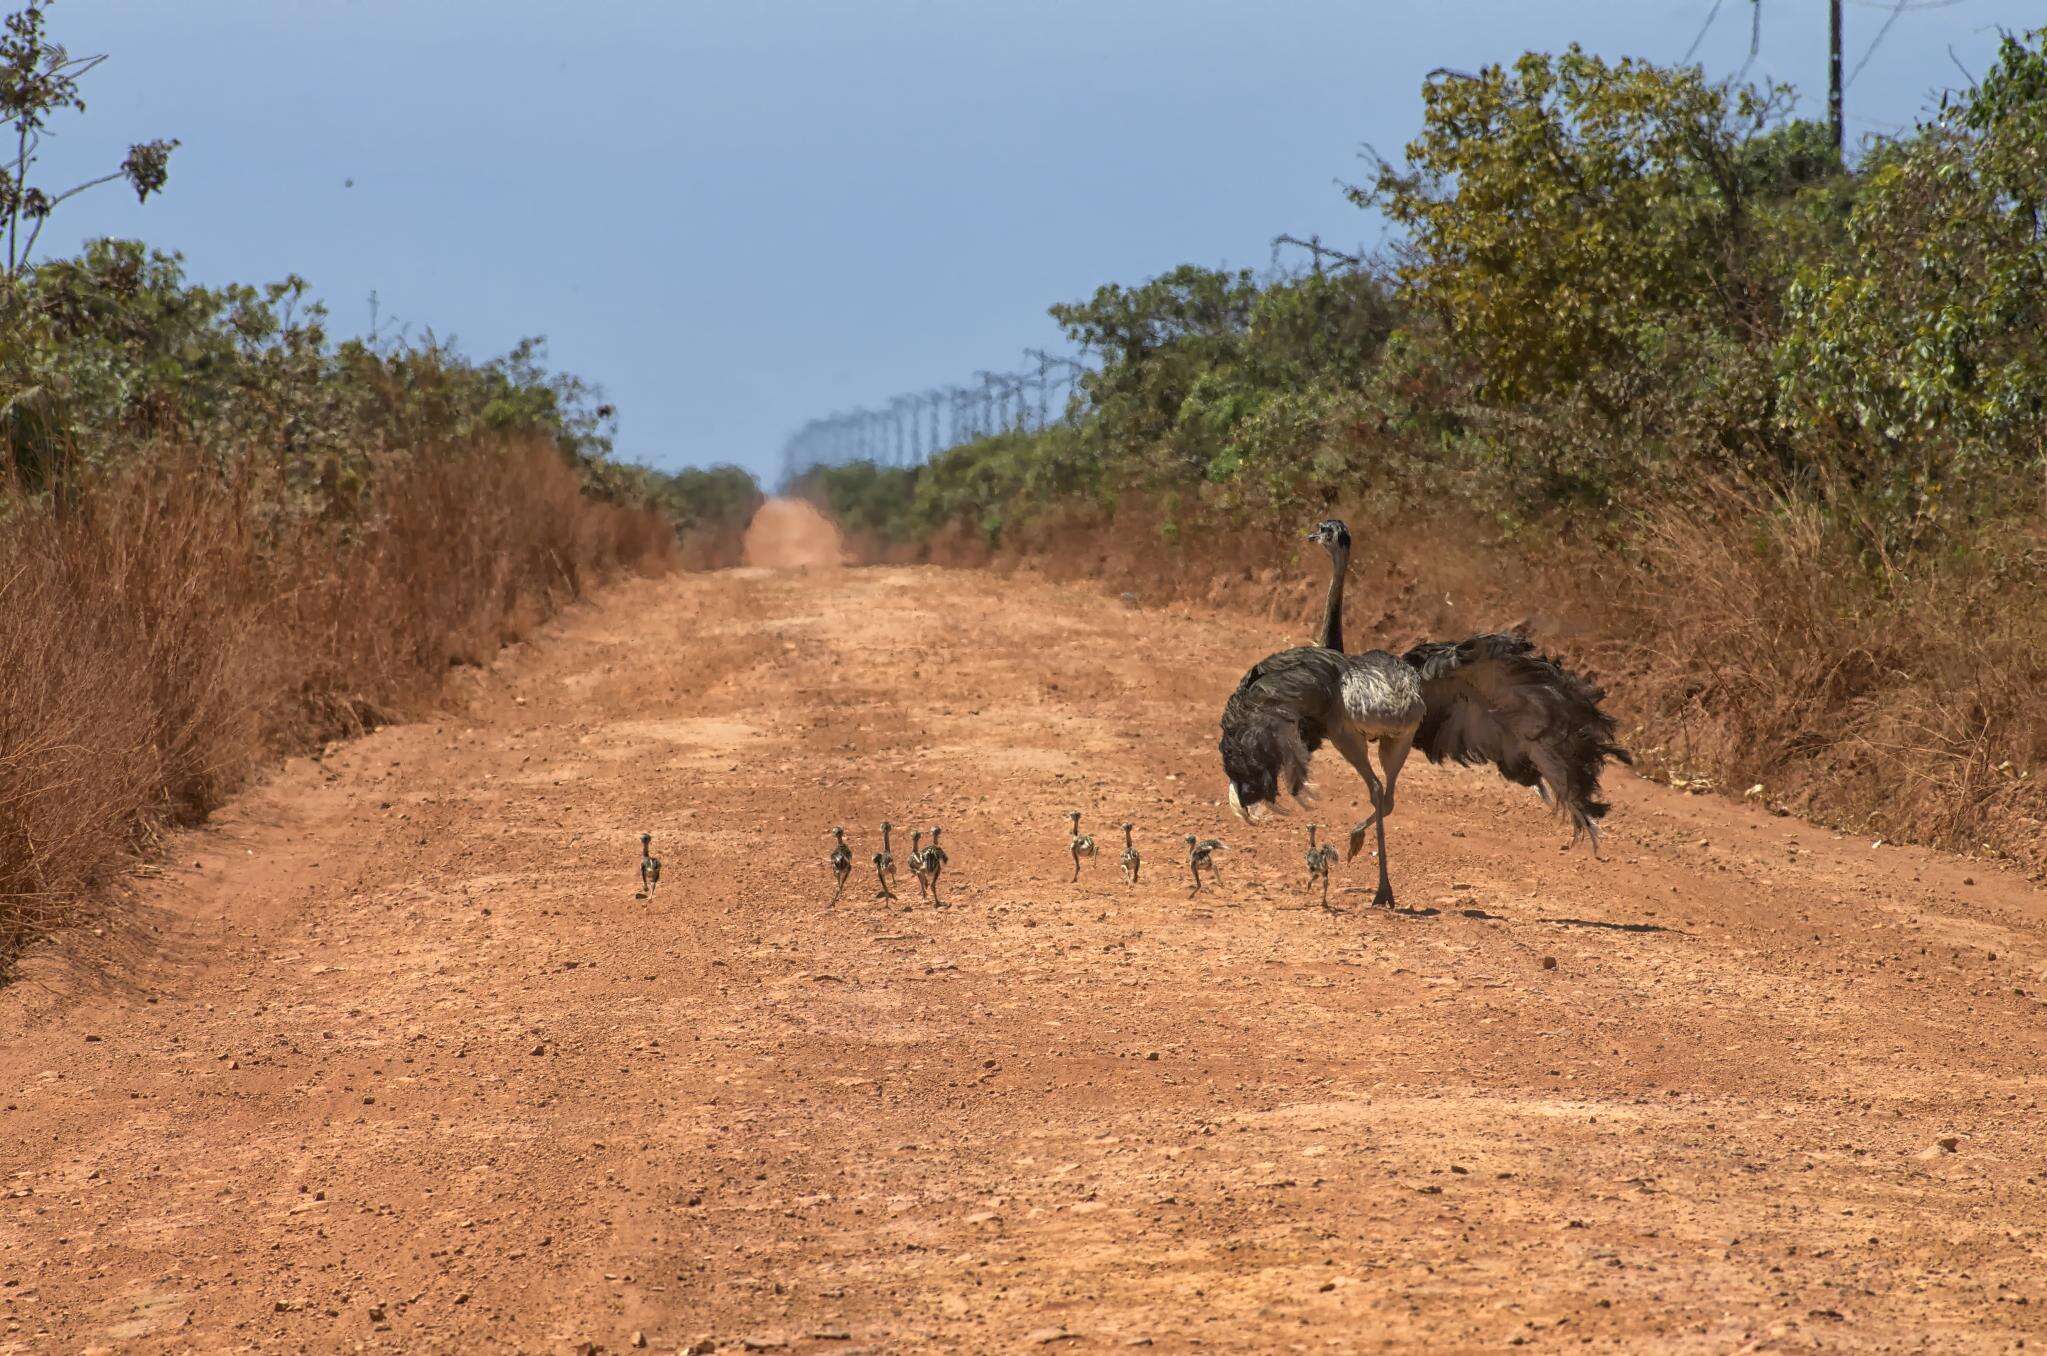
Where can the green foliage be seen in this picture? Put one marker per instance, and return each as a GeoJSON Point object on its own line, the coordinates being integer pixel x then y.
{"type": "Point", "coordinates": [116, 348]}
{"type": "Point", "coordinates": [864, 498]}
{"type": "Point", "coordinates": [1565, 214]}
{"type": "Point", "coordinates": [717, 499]}
{"type": "Point", "coordinates": [1923, 346]}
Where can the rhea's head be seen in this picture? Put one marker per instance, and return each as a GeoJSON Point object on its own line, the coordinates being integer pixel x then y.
{"type": "Point", "coordinates": [1333, 537]}
{"type": "Point", "coordinates": [645, 839]}
{"type": "Point", "coordinates": [839, 833]}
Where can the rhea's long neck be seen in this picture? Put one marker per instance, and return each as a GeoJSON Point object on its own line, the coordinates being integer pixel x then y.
{"type": "Point", "coordinates": [1332, 615]}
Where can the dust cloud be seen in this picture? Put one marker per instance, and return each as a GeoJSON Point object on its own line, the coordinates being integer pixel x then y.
{"type": "Point", "coordinates": [789, 534]}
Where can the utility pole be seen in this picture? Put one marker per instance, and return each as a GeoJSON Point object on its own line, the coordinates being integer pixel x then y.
{"type": "Point", "coordinates": [990, 386]}
{"type": "Point", "coordinates": [1834, 75]}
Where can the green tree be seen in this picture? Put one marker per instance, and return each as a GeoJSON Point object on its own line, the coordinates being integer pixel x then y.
{"type": "Point", "coordinates": [1562, 213]}
{"type": "Point", "coordinates": [39, 79]}
{"type": "Point", "coordinates": [1923, 345]}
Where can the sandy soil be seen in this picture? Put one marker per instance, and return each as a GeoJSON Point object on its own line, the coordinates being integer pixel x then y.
{"type": "Point", "coordinates": [790, 534]}
{"type": "Point", "coordinates": [399, 1062]}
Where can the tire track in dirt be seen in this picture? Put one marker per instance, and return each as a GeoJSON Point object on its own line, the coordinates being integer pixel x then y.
{"type": "Point", "coordinates": [407, 1065]}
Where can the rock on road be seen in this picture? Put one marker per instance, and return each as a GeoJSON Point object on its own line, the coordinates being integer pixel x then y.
{"type": "Point", "coordinates": [405, 1065]}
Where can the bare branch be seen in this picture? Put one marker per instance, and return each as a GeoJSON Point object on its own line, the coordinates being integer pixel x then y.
{"type": "Point", "coordinates": [89, 183]}
{"type": "Point", "coordinates": [1966, 75]}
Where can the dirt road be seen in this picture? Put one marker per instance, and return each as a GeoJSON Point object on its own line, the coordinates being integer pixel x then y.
{"type": "Point", "coordinates": [407, 1066]}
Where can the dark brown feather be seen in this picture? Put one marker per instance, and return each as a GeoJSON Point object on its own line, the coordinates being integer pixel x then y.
{"type": "Point", "coordinates": [1494, 699]}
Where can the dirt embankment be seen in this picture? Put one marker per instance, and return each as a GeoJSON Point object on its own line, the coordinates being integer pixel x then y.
{"type": "Point", "coordinates": [409, 1066]}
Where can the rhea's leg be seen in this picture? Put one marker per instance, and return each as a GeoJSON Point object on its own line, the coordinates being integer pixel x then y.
{"type": "Point", "coordinates": [1392, 755]}
{"type": "Point", "coordinates": [1355, 754]}
{"type": "Point", "coordinates": [1376, 819]}
{"type": "Point", "coordinates": [1384, 897]}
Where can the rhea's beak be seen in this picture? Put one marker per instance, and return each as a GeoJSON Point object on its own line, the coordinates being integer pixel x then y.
{"type": "Point", "coordinates": [1237, 804]}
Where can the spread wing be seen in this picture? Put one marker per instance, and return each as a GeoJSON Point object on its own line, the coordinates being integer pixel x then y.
{"type": "Point", "coordinates": [1494, 699]}
{"type": "Point", "coordinates": [1275, 720]}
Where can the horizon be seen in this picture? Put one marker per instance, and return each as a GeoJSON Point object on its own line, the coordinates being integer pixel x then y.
{"type": "Point", "coordinates": [963, 168]}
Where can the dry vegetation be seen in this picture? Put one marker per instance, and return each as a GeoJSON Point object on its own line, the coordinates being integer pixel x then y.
{"type": "Point", "coordinates": [163, 630]}
{"type": "Point", "coordinates": [1759, 651]}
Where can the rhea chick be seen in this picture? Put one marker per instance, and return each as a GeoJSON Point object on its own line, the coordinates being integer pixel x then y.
{"type": "Point", "coordinates": [884, 864]}
{"type": "Point", "coordinates": [1320, 860]}
{"type": "Point", "coordinates": [917, 863]}
{"type": "Point", "coordinates": [1130, 859]}
{"type": "Point", "coordinates": [932, 862]}
{"type": "Point", "coordinates": [650, 866]}
{"type": "Point", "coordinates": [1081, 845]}
{"type": "Point", "coordinates": [842, 861]}
{"type": "Point", "coordinates": [1201, 852]}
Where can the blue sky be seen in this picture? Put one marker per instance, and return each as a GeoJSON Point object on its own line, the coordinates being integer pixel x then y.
{"type": "Point", "coordinates": [736, 216]}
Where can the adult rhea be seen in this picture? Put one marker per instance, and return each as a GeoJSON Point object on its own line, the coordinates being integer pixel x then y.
{"type": "Point", "coordinates": [1490, 699]}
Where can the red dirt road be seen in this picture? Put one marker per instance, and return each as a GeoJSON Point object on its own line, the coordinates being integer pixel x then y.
{"type": "Point", "coordinates": [406, 1066]}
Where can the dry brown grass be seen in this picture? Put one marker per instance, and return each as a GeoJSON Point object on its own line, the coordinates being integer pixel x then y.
{"type": "Point", "coordinates": [169, 629]}
{"type": "Point", "coordinates": [1899, 698]}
